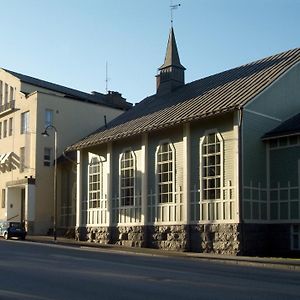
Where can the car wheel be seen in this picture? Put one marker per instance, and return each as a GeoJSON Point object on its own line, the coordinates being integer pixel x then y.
{"type": "Point", "coordinates": [6, 235]}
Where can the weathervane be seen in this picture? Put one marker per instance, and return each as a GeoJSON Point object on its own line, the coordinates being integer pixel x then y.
{"type": "Point", "coordinates": [172, 7]}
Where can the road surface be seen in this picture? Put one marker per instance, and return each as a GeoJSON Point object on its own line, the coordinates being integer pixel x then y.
{"type": "Point", "coordinates": [42, 271]}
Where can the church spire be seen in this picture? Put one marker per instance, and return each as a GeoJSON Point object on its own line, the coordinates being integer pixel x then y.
{"type": "Point", "coordinates": [171, 73]}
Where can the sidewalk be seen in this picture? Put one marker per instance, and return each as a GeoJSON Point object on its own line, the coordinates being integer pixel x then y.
{"type": "Point", "coordinates": [264, 262]}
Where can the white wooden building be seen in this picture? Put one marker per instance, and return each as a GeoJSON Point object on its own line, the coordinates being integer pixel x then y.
{"type": "Point", "coordinates": [186, 168]}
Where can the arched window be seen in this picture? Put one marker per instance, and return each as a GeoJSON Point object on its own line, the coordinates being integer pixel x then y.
{"type": "Point", "coordinates": [95, 182]}
{"type": "Point", "coordinates": [211, 166]}
{"type": "Point", "coordinates": [165, 173]}
{"type": "Point", "coordinates": [127, 178]}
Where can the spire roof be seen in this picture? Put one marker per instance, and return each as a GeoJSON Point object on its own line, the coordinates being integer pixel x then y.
{"type": "Point", "coordinates": [172, 57]}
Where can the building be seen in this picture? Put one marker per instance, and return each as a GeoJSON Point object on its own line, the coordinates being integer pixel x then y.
{"type": "Point", "coordinates": [193, 168]}
{"type": "Point", "coordinates": [27, 106]}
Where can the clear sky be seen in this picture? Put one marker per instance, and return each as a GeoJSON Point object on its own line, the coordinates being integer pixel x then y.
{"type": "Point", "coordinates": [69, 41]}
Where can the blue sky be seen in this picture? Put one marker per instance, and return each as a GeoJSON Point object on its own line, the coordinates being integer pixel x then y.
{"type": "Point", "coordinates": [69, 41]}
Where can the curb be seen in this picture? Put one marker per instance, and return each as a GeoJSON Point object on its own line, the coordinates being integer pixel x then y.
{"type": "Point", "coordinates": [261, 262]}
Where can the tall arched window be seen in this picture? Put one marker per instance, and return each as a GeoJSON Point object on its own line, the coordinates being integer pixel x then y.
{"type": "Point", "coordinates": [127, 178]}
{"type": "Point", "coordinates": [211, 166]}
{"type": "Point", "coordinates": [95, 182]}
{"type": "Point", "coordinates": [165, 173]}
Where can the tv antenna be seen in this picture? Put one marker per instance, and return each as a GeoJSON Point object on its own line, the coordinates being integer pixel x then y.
{"type": "Point", "coordinates": [173, 7]}
{"type": "Point", "coordinates": [106, 77]}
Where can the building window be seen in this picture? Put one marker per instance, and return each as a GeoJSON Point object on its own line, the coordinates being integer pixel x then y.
{"type": "Point", "coordinates": [165, 173]}
{"type": "Point", "coordinates": [10, 126]}
{"type": "Point", "coordinates": [3, 200]}
{"type": "Point", "coordinates": [0, 130]}
{"type": "Point", "coordinates": [22, 159]}
{"type": "Point", "coordinates": [1, 92]}
{"type": "Point", "coordinates": [127, 178]}
{"type": "Point", "coordinates": [95, 182]}
{"type": "Point", "coordinates": [11, 93]}
{"type": "Point", "coordinates": [5, 128]}
{"type": "Point", "coordinates": [48, 117]}
{"type": "Point", "coordinates": [6, 93]}
{"type": "Point", "coordinates": [295, 237]}
{"type": "Point", "coordinates": [211, 166]}
{"type": "Point", "coordinates": [47, 157]}
{"type": "Point", "coordinates": [25, 122]}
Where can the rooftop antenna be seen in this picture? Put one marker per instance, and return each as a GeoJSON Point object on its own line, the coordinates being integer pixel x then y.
{"type": "Point", "coordinates": [106, 77]}
{"type": "Point", "coordinates": [173, 7]}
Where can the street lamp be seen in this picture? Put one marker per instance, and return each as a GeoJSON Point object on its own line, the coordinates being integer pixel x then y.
{"type": "Point", "coordinates": [45, 133]}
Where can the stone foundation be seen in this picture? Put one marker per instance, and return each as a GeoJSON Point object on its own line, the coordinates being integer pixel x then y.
{"type": "Point", "coordinates": [168, 237]}
{"type": "Point", "coordinates": [130, 236]}
{"type": "Point", "coordinates": [212, 238]}
{"type": "Point", "coordinates": [215, 238]}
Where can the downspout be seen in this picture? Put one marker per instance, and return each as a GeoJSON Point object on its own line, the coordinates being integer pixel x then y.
{"type": "Point", "coordinates": [240, 178]}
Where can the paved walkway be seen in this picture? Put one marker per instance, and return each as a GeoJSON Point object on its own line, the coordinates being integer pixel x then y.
{"type": "Point", "coordinates": [266, 262]}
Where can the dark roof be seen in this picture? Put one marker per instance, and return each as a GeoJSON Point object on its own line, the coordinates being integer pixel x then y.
{"type": "Point", "coordinates": [288, 127]}
{"type": "Point", "coordinates": [96, 98]}
{"type": "Point", "coordinates": [172, 56]}
{"type": "Point", "coordinates": [216, 94]}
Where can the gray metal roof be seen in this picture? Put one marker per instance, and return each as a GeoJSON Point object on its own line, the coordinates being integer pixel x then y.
{"type": "Point", "coordinates": [172, 56]}
{"type": "Point", "coordinates": [96, 98]}
{"type": "Point", "coordinates": [216, 94]}
{"type": "Point", "coordinates": [286, 128]}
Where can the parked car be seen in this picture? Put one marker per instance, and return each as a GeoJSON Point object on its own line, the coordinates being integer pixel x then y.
{"type": "Point", "coordinates": [12, 229]}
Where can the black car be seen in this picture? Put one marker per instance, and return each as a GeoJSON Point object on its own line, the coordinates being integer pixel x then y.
{"type": "Point", "coordinates": [12, 229]}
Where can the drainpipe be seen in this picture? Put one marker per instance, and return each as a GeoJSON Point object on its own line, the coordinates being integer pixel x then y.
{"type": "Point", "coordinates": [241, 176]}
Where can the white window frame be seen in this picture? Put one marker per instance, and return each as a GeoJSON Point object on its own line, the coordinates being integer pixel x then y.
{"type": "Point", "coordinates": [219, 136]}
{"type": "Point", "coordinates": [134, 177]}
{"type": "Point", "coordinates": [163, 142]}
{"type": "Point", "coordinates": [100, 190]}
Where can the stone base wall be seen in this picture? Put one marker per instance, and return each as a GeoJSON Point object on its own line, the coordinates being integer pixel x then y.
{"type": "Point", "coordinates": [228, 239]}
{"type": "Point", "coordinates": [215, 238]}
{"type": "Point", "coordinates": [168, 237]}
{"type": "Point", "coordinates": [130, 236]}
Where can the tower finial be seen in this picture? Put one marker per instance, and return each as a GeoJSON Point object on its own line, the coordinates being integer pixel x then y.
{"type": "Point", "coordinates": [172, 7]}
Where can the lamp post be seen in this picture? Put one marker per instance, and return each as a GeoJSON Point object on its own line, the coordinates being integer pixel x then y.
{"type": "Point", "coordinates": [45, 133]}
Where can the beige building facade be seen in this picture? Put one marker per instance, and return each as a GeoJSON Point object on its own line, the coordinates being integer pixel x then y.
{"type": "Point", "coordinates": [27, 106]}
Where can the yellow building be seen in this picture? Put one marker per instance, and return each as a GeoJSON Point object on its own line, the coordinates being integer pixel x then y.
{"type": "Point", "coordinates": [27, 106]}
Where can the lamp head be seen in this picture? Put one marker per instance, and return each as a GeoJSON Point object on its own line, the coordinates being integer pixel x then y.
{"type": "Point", "coordinates": [45, 133]}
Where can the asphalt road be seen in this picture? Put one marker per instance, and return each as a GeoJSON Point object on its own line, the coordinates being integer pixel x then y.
{"type": "Point", "coordinates": [42, 271]}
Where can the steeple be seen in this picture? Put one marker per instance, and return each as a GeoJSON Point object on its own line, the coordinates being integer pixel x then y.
{"type": "Point", "coordinates": [171, 73]}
